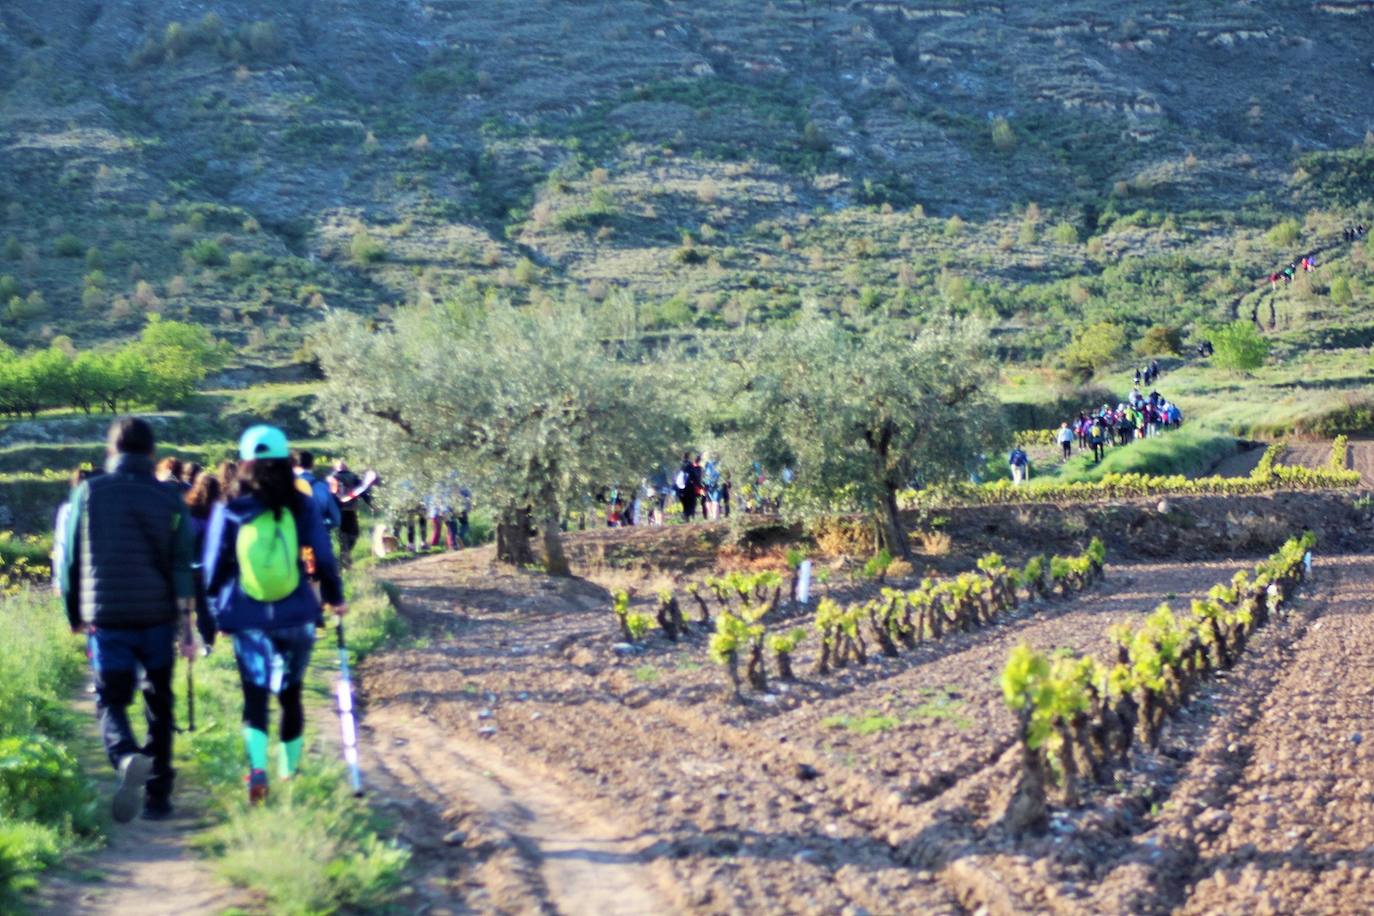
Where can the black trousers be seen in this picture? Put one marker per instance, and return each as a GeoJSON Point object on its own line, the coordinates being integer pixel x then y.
{"type": "Point", "coordinates": [114, 693]}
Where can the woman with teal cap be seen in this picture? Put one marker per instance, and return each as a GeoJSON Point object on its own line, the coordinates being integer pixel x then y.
{"type": "Point", "coordinates": [260, 551]}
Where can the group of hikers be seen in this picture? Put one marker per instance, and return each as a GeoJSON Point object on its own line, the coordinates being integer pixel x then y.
{"type": "Point", "coordinates": [702, 489]}
{"type": "Point", "coordinates": [1353, 233]}
{"type": "Point", "coordinates": [442, 519]}
{"type": "Point", "coordinates": [1306, 264]}
{"type": "Point", "coordinates": [1138, 417]}
{"type": "Point", "coordinates": [146, 557]}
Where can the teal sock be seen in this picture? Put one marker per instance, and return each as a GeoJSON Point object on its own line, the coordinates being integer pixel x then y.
{"type": "Point", "coordinates": [290, 756]}
{"type": "Point", "coordinates": [255, 741]}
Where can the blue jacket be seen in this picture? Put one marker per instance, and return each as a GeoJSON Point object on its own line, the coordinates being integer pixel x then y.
{"type": "Point", "coordinates": [233, 610]}
{"type": "Point", "coordinates": [319, 490]}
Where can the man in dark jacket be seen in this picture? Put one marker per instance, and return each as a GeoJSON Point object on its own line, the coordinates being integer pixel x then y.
{"type": "Point", "coordinates": [127, 582]}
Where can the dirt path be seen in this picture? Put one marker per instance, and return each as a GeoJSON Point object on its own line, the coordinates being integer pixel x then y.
{"type": "Point", "coordinates": [147, 868]}
{"type": "Point", "coordinates": [554, 855]}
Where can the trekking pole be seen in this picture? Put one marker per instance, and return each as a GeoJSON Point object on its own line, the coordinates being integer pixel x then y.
{"type": "Point", "coordinates": [190, 698]}
{"type": "Point", "coordinates": [347, 727]}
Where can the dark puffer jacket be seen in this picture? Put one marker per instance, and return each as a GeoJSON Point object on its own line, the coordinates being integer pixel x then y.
{"type": "Point", "coordinates": [128, 549]}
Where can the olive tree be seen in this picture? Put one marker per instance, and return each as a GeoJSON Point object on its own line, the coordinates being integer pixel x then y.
{"type": "Point", "coordinates": [867, 414]}
{"type": "Point", "coordinates": [529, 408]}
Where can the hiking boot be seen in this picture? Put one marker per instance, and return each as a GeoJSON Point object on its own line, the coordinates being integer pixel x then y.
{"type": "Point", "coordinates": [257, 787]}
{"type": "Point", "coordinates": [156, 809]}
{"type": "Point", "coordinates": [133, 774]}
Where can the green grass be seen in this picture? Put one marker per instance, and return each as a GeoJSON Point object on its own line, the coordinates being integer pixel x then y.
{"type": "Point", "coordinates": [871, 722]}
{"type": "Point", "coordinates": [940, 704]}
{"type": "Point", "coordinates": [47, 804]}
{"type": "Point", "coordinates": [313, 847]}
{"type": "Point", "coordinates": [1191, 451]}
{"type": "Point", "coordinates": [647, 674]}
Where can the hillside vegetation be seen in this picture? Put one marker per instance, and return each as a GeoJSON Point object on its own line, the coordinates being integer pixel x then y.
{"type": "Point", "coordinates": [680, 167]}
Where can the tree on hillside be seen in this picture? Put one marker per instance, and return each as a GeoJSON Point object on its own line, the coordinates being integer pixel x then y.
{"type": "Point", "coordinates": [1094, 347]}
{"type": "Point", "coordinates": [528, 408]}
{"type": "Point", "coordinates": [1239, 346]}
{"type": "Point", "coordinates": [177, 356]}
{"type": "Point", "coordinates": [868, 414]}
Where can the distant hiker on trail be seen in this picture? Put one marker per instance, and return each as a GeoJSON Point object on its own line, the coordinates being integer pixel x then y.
{"type": "Point", "coordinates": [1020, 464]}
{"type": "Point", "coordinates": [725, 494]}
{"type": "Point", "coordinates": [260, 551]}
{"type": "Point", "coordinates": [685, 484]}
{"type": "Point", "coordinates": [710, 480]}
{"type": "Point", "coordinates": [127, 583]}
{"type": "Point", "coordinates": [303, 462]}
{"type": "Point", "coordinates": [1098, 437]}
{"type": "Point", "coordinates": [1065, 439]}
{"type": "Point", "coordinates": [342, 483]}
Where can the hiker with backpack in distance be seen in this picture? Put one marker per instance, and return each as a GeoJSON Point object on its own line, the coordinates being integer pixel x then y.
{"type": "Point", "coordinates": [304, 463]}
{"type": "Point", "coordinates": [127, 583]}
{"type": "Point", "coordinates": [1020, 464]}
{"type": "Point", "coordinates": [260, 551]}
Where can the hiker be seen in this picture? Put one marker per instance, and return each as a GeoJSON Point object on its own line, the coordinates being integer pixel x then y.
{"type": "Point", "coordinates": [303, 464]}
{"type": "Point", "coordinates": [1020, 463]}
{"type": "Point", "coordinates": [685, 485]}
{"type": "Point", "coordinates": [341, 483]}
{"type": "Point", "coordinates": [1065, 439]}
{"type": "Point", "coordinates": [58, 553]}
{"type": "Point", "coordinates": [260, 551]}
{"type": "Point", "coordinates": [725, 494]}
{"type": "Point", "coordinates": [190, 473]}
{"type": "Point", "coordinates": [127, 583]}
{"type": "Point", "coordinates": [1097, 436]}
{"type": "Point", "coordinates": [201, 501]}
{"type": "Point", "coordinates": [710, 480]}
{"type": "Point", "coordinates": [1137, 376]}
{"type": "Point", "coordinates": [437, 511]}
{"type": "Point", "coordinates": [169, 471]}
{"type": "Point", "coordinates": [459, 523]}
{"type": "Point", "coordinates": [660, 488]}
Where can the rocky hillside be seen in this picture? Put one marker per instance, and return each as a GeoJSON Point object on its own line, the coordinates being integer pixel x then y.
{"type": "Point", "coordinates": [249, 162]}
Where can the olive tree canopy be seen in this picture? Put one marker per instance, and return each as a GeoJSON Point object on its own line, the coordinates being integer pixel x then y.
{"type": "Point", "coordinates": [528, 407]}
{"type": "Point", "coordinates": [866, 414]}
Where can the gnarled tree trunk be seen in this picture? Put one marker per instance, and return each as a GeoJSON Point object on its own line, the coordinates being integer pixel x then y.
{"type": "Point", "coordinates": [513, 538]}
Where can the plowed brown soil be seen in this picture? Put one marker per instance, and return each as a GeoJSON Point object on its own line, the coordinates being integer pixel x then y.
{"type": "Point", "coordinates": [875, 789]}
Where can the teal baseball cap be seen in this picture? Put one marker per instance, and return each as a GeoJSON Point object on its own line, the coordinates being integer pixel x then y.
{"type": "Point", "coordinates": [263, 441]}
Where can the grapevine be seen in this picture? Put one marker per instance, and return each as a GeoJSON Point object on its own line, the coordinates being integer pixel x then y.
{"type": "Point", "coordinates": [1074, 709]}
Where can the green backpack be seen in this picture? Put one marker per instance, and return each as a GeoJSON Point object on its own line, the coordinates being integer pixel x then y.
{"type": "Point", "coordinates": [268, 555]}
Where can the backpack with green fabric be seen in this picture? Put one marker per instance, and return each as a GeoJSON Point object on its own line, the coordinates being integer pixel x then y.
{"type": "Point", "coordinates": [268, 554]}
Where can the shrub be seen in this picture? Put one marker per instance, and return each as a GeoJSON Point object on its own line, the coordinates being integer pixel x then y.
{"type": "Point", "coordinates": [1094, 347]}
{"type": "Point", "coordinates": [364, 249]}
{"type": "Point", "coordinates": [1003, 137]}
{"type": "Point", "coordinates": [12, 251]}
{"type": "Point", "coordinates": [1340, 292]}
{"type": "Point", "coordinates": [1284, 234]}
{"type": "Point", "coordinates": [1161, 340]}
{"type": "Point", "coordinates": [1064, 233]}
{"type": "Point", "coordinates": [1239, 346]}
{"type": "Point", "coordinates": [207, 253]}
{"type": "Point", "coordinates": [954, 226]}
{"type": "Point", "coordinates": [68, 246]}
